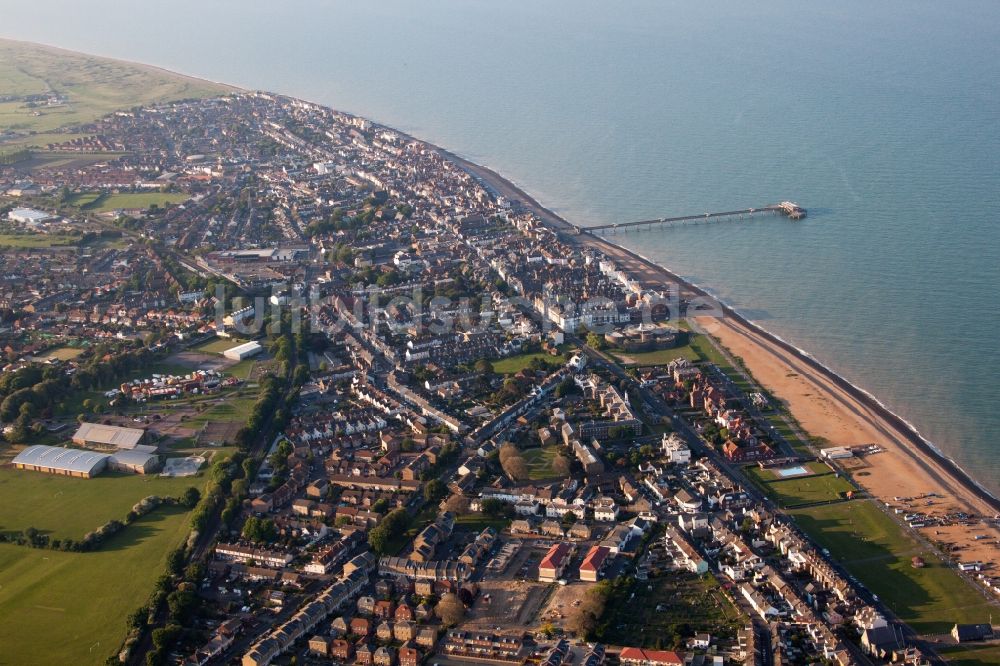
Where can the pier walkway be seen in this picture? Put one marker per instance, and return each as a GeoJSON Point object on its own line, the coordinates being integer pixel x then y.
{"type": "Point", "coordinates": [789, 209]}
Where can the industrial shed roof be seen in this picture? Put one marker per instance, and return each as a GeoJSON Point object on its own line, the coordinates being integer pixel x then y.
{"type": "Point", "coordinates": [60, 457]}
{"type": "Point", "coordinates": [108, 435]}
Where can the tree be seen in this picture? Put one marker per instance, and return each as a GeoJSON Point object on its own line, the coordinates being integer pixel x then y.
{"type": "Point", "coordinates": [138, 618]}
{"type": "Point", "coordinates": [507, 450]}
{"type": "Point", "coordinates": [493, 506]}
{"type": "Point", "coordinates": [484, 367]}
{"type": "Point", "coordinates": [182, 605]}
{"type": "Point", "coordinates": [259, 529]}
{"type": "Point", "coordinates": [565, 387]}
{"type": "Point", "coordinates": [596, 341]}
{"type": "Point", "coordinates": [434, 490]}
{"type": "Point", "coordinates": [515, 467]}
{"type": "Point", "coordinates": [165, 636]}
{"type": "Point", "coordinates": [175, 561]}
{"type": "Point", "coordinates": [457, 504]}
{"type": "Point", "coordinates": [450, 609]}
{"type": "Point", "coordinates": [381, 536]}
{"type": "Point", "coordinates": [191, 497]}
{"type": "Point", "coordinates": [561, 465]}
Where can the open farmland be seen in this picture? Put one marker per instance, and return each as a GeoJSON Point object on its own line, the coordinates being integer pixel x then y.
{"type": "Point", "coordinates": [90, 86]}
{"type": "Point", "coordinates": [65, 507]}
{"type": "Point", "coordinates": [88, 596]}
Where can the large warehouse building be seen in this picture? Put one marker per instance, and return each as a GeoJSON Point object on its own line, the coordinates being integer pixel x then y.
{"type": "Point", "coordinates": [245, 350]}
{"type": "Point", "coordinates": [61, 460]}
{"type": "Point", "coordinates": [135, 461]}
{"type": "Point", "coordinates": [108, 436]}
{"type": "Point", "coordinates": [83, 464]}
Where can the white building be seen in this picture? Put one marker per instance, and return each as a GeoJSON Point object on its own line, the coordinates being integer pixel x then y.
{"type": "Point", "coordinates": [676, 449]}
{"type": "Point", "coordinates": [245, 350]}
{"type": "Point", "coordinates": [29, 216]}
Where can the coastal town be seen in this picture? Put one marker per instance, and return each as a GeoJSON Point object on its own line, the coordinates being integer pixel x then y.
{"type": "Point", "coordinates": [415, 420]}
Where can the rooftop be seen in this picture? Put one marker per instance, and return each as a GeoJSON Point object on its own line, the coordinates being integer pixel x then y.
{"type": "Point", "coordinates": [60, 457]}
{"type": "Point", "coordinates": [108, 435]}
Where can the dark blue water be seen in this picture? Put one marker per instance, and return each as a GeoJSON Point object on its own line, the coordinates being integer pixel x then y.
{"type": "Point", "coordinates": [881, 118]}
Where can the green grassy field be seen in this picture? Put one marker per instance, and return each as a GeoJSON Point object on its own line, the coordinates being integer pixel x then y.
{"type": "Point", "coordinates": [477, 522]}
{"type": "Point", "coordinates": [83, 199]}
{"type": "Point", "coordinates": [242, 369]}
{"type": "Point", "coordinates": [42, 140]}
{"type": "Point", "coordinates": [71, 608]}
{"type": "Point", "coordinates": [877, 551]}
{"type": "Point", "coordinates": [514, 364]}
{"type": "Point", "coordinates": [64, 353]}
{"type": "Point", "coordinates": [92, 86]}
{"type": "Point", "coordinates": [30, 241]}
{"type": "Point", "coordinates": [661, 357]}
{"type": "Point", "coordinates": [234, 409]}
{"type": "Point", "coordinates": [135, 200]}
{"type": "Point", "coordinates": [971, 655]}
{"type": "Point", "coordinates": [69, 508]}
{"type": "Point", "coordinates": [824, 486]}
{"type": "Point", "coordinates": [219, 345]}
{"type": "Point", "coordinates": [540, 462]}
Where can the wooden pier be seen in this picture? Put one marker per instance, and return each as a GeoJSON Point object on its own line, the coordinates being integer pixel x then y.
{"type": "Point", "coordinates": [789, 209]}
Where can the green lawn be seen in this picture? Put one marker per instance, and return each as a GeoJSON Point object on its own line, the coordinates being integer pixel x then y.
{"type": "Point", "coordinates": [219, 345]}
{"type": "Point", "coordinates": [136, 200]}
{"type": "Point", "coordinates": [971, 655]}
{"type": "Point", "coordinates": [92, 86]}
{"type": "Point", "coordinates": [661, 357]}
{"type": "Point", "coordinates": [236, 408]}
{"type": "Point", "coordinates": [64, 353]}
{"type": "Point", "coordinates": [515, 364]}
{"type": "Point", "coordinates": [83, 199]}
{"type": "Point", "coordinates": [708, 352]}
{"type": "Point", "coordinates": [478, 522]}
{"type": "Point", "coordinates": [29, 241]}
{"type": "Point", "coordinates": [540, 462]}
{"type": "Point", "coordinates": [69, 508]}
{"type": "Point", "coordinates": [242, 369]}
{"type": "Point", "coordinates": [71, 608]}
{"type": "Point", "coordinates": [40, 139]}
{"type": "Point", "coordinates": [877, 551]}
{"type": "Point", "coordinates": [824, 486]}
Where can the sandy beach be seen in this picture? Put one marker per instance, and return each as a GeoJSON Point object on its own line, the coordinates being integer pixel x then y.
{"type": "Point", "coordinates": [824, 404]}
{"type": "Point", "coordinates": [824, 410]}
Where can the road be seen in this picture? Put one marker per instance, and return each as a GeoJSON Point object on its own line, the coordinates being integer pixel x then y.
{"type": "Point", "coordinates": [206, 538]}
{"type": "Point", "coordinates": [696, 443]}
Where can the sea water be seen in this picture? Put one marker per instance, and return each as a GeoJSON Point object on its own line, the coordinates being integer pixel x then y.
{"type": "Point", "coordinates": [880, 118]}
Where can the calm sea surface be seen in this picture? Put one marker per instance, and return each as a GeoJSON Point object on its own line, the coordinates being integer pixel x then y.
{"type": "Point", "coordinates": [882, 118]}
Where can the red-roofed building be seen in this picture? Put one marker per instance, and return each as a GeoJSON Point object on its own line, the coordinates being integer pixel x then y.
{"type": "Point", "coordinates": [593, 563]}
{"type": "Point", "coordinates": [409, 656]}
{"type": "Point", "coordinates": [554, 562]}
{"type": "Point", "coordinates": [632, 656]}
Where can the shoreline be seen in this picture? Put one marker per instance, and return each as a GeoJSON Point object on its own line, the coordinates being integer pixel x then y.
{"type": "Point", "coordinates": [762, 343]}
{"type": "Point", "coordinates": [914, 443]}
{"type": "Point", "coordinates": [133, 63]}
